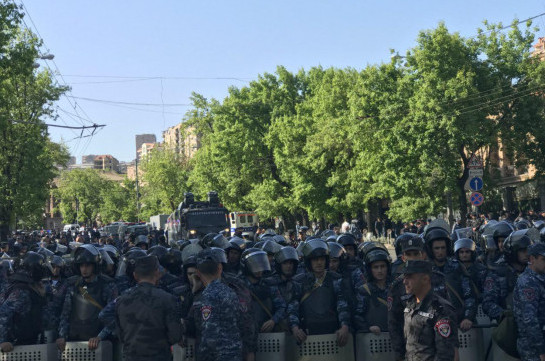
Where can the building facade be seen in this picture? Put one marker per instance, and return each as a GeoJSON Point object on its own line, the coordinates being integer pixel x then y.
{"type": "Point", "coordinates": [182, 139]}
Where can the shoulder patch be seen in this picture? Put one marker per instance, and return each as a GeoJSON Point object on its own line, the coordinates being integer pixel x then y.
{"type": "Point", "coordinates": [443, 327]}
{"type": "Point", "coordinates": [529, 294]}
{"type": "Point", "coordinates": [206, 312]}
{"type": "Point", "coordinates": [488, 284]}
{"type": "Point", "coordinates": [390, 300]}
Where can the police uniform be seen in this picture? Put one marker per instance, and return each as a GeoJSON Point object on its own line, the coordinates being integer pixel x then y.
{"type": "Point", "coordinates": [247, 327]}
{"type": "Point", "coordinates": [320, 307]}
{"type": "Point", "coordinates": [430, 328]}
{"type": "Point", "coordinates": [55, 293]}
{"type": "Point", "coordinates": [148, 319]}
{"type": "Point", "coordinates": [21, 311]}
{"type": "Point", "coordinates": [83, 302]}
{"type": "Point", "coordinates": [498, 288]}
{"type": "Point", "coordinates": [219, 314]}
{"type": "Point", "coordinates": [529, 310]}
{"type": "Point", "coordinates": [371, 307]}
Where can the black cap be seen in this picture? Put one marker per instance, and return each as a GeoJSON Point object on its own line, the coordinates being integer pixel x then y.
{"type": "Point", "coordinates": [417, 266]}
{"type": "Point", "coordinates": [146, 264]}
{"type": "Point", "coordinates": [537, 249]}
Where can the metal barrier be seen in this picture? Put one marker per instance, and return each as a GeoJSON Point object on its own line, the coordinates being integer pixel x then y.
{"type": "Point", "coordinates": [471, 345]}
{"type": "Point", "coordinates": [324, 347]}
{"type": "Point", "coordinates": [79, 351]}
{"type": "Point", "coordinates": [44, 352]}
{"type": "Point", "coordinates": [275, 346]}
{"type": "Point", "coordinates": [374, 347]}
{"type": "Point", "coordinates": [186, 353]}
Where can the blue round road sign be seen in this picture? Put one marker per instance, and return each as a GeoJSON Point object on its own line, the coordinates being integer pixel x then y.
{"type": "Point", "coordinates": [476, 199]}
{"type": "Point", "coordinates": [476, 184]}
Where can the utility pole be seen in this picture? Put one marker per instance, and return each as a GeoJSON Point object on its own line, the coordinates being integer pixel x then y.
{"type": "Point", "coordinates": [137, 187]}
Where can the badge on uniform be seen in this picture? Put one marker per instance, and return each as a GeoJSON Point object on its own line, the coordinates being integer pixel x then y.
{"type": "Point", "coordinates": [243, 305]}
{"type": "Point", "coordinates": [390, 300]}
{"type": "Point", "coordinates": [529, 294]}
{"type": "Point", "coordinates": [206, 312]}
{"type": "Point", "coordinates": [443, 327]}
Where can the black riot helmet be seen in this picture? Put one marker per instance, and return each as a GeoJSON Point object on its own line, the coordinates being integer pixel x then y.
{"type": "Point", "coordinates": [220, 255]}
{"type": "Point", "coordinates": [517, 240]}
{"type": "Point", "coordinates": [271, 247]}
{"type": "Point", "coordinates": [522, 224]}
{"type": "Point", "coordinates": [33, 264]}
{"type": "Point", "coordinates": [190, 248]}
{"type": "Point", "coordinates": [315, 248]}
{"type": "Point", "coordinates": [128, 262]}
{"type": "Point", "coordinates": [465, 243]}
{"type": "Point", "coordinates": [367, 247]}
{"type": "Point", "coordinates": [86, 253]}
{"type": "Point", "coordinates": [375, 255]}
{"type": "Point", "coordinates": [280, 239]}
{"type": "Point", "coordinates": [174, 261]}
{"type": "Point", "coordinates": [141, 241]}
{"type": "Point", "coordinates": [437, 230]}
{"type": "Point", "coordinates": [286, 254]}
{"type": "Point", "coordinates": [210, 255]}
{"type": "Point", "coordinates": [501, 230]}
{"type": "Point", "coordinates": [336, 250]}
{"type": "Point", "coordinates": [254, 260]}
{"type": "Point", "coordinates": [542, 235]}
{"type": "Point", "coordinates": [237, 244]}
{"type": "Point", "coordinates": [161, 253]}
{"type": "Point", "coordinates": [398, 244]}
{"type": "Point", "coordinates": [214, 240]}
{"type": "Point", "coordinates": [347, 239]}
{"type": "Point", "coordinates": [539, 225]}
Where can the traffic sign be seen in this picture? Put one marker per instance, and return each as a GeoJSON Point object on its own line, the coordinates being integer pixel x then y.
{"type": "Point", "coordinates": [475, 162]}
{"type": "Point", "coordinates": [476, 173]}
{"type": "Point", "coordinates": [476, 184]}
{"type": "Point", "coordinates": [476, 199]}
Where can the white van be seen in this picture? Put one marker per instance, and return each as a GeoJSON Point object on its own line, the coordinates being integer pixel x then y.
{"type": "Point", "coordinates": [71, 228]}
{"type": "Point", "coordinates": [246, 220]}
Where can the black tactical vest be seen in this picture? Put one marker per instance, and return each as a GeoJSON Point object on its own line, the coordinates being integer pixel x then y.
{"type": "Point", "coordinates": [319, 310]}
{"type": "Point", "coordinates": [84, 322]}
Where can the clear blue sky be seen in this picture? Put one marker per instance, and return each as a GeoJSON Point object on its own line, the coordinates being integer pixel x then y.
{"type": "Point", "coordinates": [221, 39]}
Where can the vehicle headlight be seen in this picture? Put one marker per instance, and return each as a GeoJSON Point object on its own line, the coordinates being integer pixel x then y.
{"type": "Point", "coordinates": [192, 231]}
{"type": "Point", "coordinates": [227, 229]}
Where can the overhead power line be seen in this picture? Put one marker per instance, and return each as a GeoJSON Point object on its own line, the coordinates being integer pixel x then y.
{"type": "Point", "coordinates": [133, 103]}
{"type": "Point", "coordinates": [83, 127]}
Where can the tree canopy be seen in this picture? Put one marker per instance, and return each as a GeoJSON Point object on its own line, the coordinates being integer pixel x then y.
{"type": "Point", "coordinates": [327, 142]}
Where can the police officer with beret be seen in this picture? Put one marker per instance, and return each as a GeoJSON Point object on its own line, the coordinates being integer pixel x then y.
{"type": "Point", "coordinates": [148, 318]}
{"type": "Point", "coordinates": [430, 327]}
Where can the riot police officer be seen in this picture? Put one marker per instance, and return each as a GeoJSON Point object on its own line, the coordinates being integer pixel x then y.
{"type": "Point", "coordinates": [268, 305]}
{"type": "Point", "coordinates": [87, 295]}
{"type": "Point", "coordinates": [56, 287]}
{"type": "Point", "coordinates": [502, 275]}
{"type": "Point", "coordinates": [148, 318]}
{"type": "Point", "coordinates": [320, 307]}
{"type": "Point", "coordinates": [430, 326]}
{"type": "Point", "coordinates": [529, 306]}
{"type": "Point", "coordinates": [233, 252]}
{"type": "Point", "coordinates": [460, 293]}
{"type": "Point", "coordinates": [22, 304]}
{"type": "Point", "coordinates": [465, 253]}
{"type": "Point", "coordinates": [372, 308]}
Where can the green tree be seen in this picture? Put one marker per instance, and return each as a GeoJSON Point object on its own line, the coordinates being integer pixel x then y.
{"type": "Point", "coordinates": [27, 156]}
{"type": "Point", "coordinates": [118, 201]}
{"type": "Point", "coordinates": [163, 183]}
{"type": "Point", "coordinates": [80, 195]}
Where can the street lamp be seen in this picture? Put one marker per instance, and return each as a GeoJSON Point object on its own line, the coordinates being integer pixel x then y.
{"type": "Point", "coordinates": [43, 57]}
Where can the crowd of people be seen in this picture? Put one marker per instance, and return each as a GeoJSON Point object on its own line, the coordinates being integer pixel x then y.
{"type": "Point", "coordinates": [149, 294]}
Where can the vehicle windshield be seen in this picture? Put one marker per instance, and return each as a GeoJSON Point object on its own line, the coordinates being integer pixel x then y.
{"type": "Point", "coordinates": [206, 219]}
